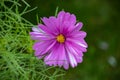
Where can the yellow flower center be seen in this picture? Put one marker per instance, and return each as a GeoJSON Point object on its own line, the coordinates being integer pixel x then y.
{"type": "Point", "coordinates": [60, 38]}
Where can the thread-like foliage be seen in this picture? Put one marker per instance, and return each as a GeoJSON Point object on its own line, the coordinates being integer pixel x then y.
{"type": "Point", "coordinates": [17, 61]}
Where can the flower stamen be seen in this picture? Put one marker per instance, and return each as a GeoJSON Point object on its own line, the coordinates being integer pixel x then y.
{"type": "Point", "coordinates": [60, 38]}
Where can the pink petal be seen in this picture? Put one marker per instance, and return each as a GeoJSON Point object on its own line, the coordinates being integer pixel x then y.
{"type": "Point", "coordinates": [57, 56]}
{"type": "Point", "coordinates": [51, 24]}
{"type": "Point", "coordinates": [43, 47]}
{"type": "Point", "coordinates": [72, 19]}
{"type": "Point", "coordinates": [61, 16]}
{"type": "Point", "coordinates": [40, 36]}
{"type": "Point", "coordinates": [45, 29]}
{"type": "Point", "coordinates": [69, 22]}
{"type": "Point", "coordinates": [36, 29]}
{"type": "Point", "coordinates": [71, 58]}
{"type": "Point", "coordinates": [66, 65]}
{"type": "Point", "coordinates": [66, 21]}
{"type": "Point", "coordinates": [62, 55]}
{"type": "Point", "coordinates": [77, 34]}
{"type": "Point", "coordinates": [51, 59]}
{"type": "Point", "coordinates": [67, 17]}
{"type": "Point", "coordinates": [78, 44]}
{"type": "Point", "coordinates": [76, 53]}
{"type": "Point", "coordinates": [75, 49]}
{"type": "Point", "coordinates": [78, 26]}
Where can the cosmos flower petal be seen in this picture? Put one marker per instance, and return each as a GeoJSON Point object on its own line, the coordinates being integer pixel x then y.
{"type": "Point", "coordinates": [51, 24]}
{"type": "Point", "coordinates": [40, 36]}
{"type": "Point", "coordinates": [66, 64]}
{"type": "Point", "coordinates": [67, 17]}
{"type": "Point", "coordinates": [45, 29]}
{"type": "Point", "coordinates": [35, 35]}
{"type": "Point", "coordinates": [74, 55]}
{"type": "Point", "coordinates": [62, 55]}
{"type": "Point", "coordinates": [77, 34]}
{"type": "Point", "coordinates": [81, 34]}
{"type": "Point", "coordinates": [80, 42]}
{"type": "Point", "coordinates": [51, 59]}
{"type": "Point", "coordinates": [74, 49]}
{"type": "Point", "coordinates": [66, 21]}
{"type": "Point", "coordinates": [54, 23]}
{"type": "Point", "coordinates": [36, 29]}
{"type": "Point", "coordinates": [57, 56]}
{"type": "Point", "coordinates": [78, 47]}
{"type": "Point", "coordinates": [72, 59]}
{"type": "Point", "coordinates": [77, 54]}
{"type": "Point", "coordinates": [43, 47]}
{"type": "Point", "coordinates": [79, 59]}
{"type": "Point", "coordinates": [61, 16]}
{"type": "Point", "coordinates": [78, 26]}
{"type": "Point", "coordinates": [72, 19]}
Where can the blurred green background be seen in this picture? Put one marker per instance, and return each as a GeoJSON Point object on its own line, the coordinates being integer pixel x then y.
{"type": "Point", "coordinates": [102, 24]}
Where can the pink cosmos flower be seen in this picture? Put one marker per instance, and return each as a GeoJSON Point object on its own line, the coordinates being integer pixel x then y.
{"type": "Point", "coordinates": [59, 40]}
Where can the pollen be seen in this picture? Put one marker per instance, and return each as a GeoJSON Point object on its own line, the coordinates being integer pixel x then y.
{"type": "Point", "coordinates": [60, 38]}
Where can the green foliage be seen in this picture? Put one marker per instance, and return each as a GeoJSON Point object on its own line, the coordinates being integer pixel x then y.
{"type": "Point", "coordinates": [17, 61]}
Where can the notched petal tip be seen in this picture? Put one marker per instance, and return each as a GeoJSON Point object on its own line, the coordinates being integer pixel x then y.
{"type": "Point", "coordinates": [79, 25]}
{"type": "Point", "coordinates": [66, 66]}
{"type": "Point", "coordinates": [61, 13]}
{"type": "Point", "coordinates": [83, 34]}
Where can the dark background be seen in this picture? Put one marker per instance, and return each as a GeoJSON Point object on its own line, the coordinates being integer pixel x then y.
{"type": "Point", "coordinates": [102, 24]}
